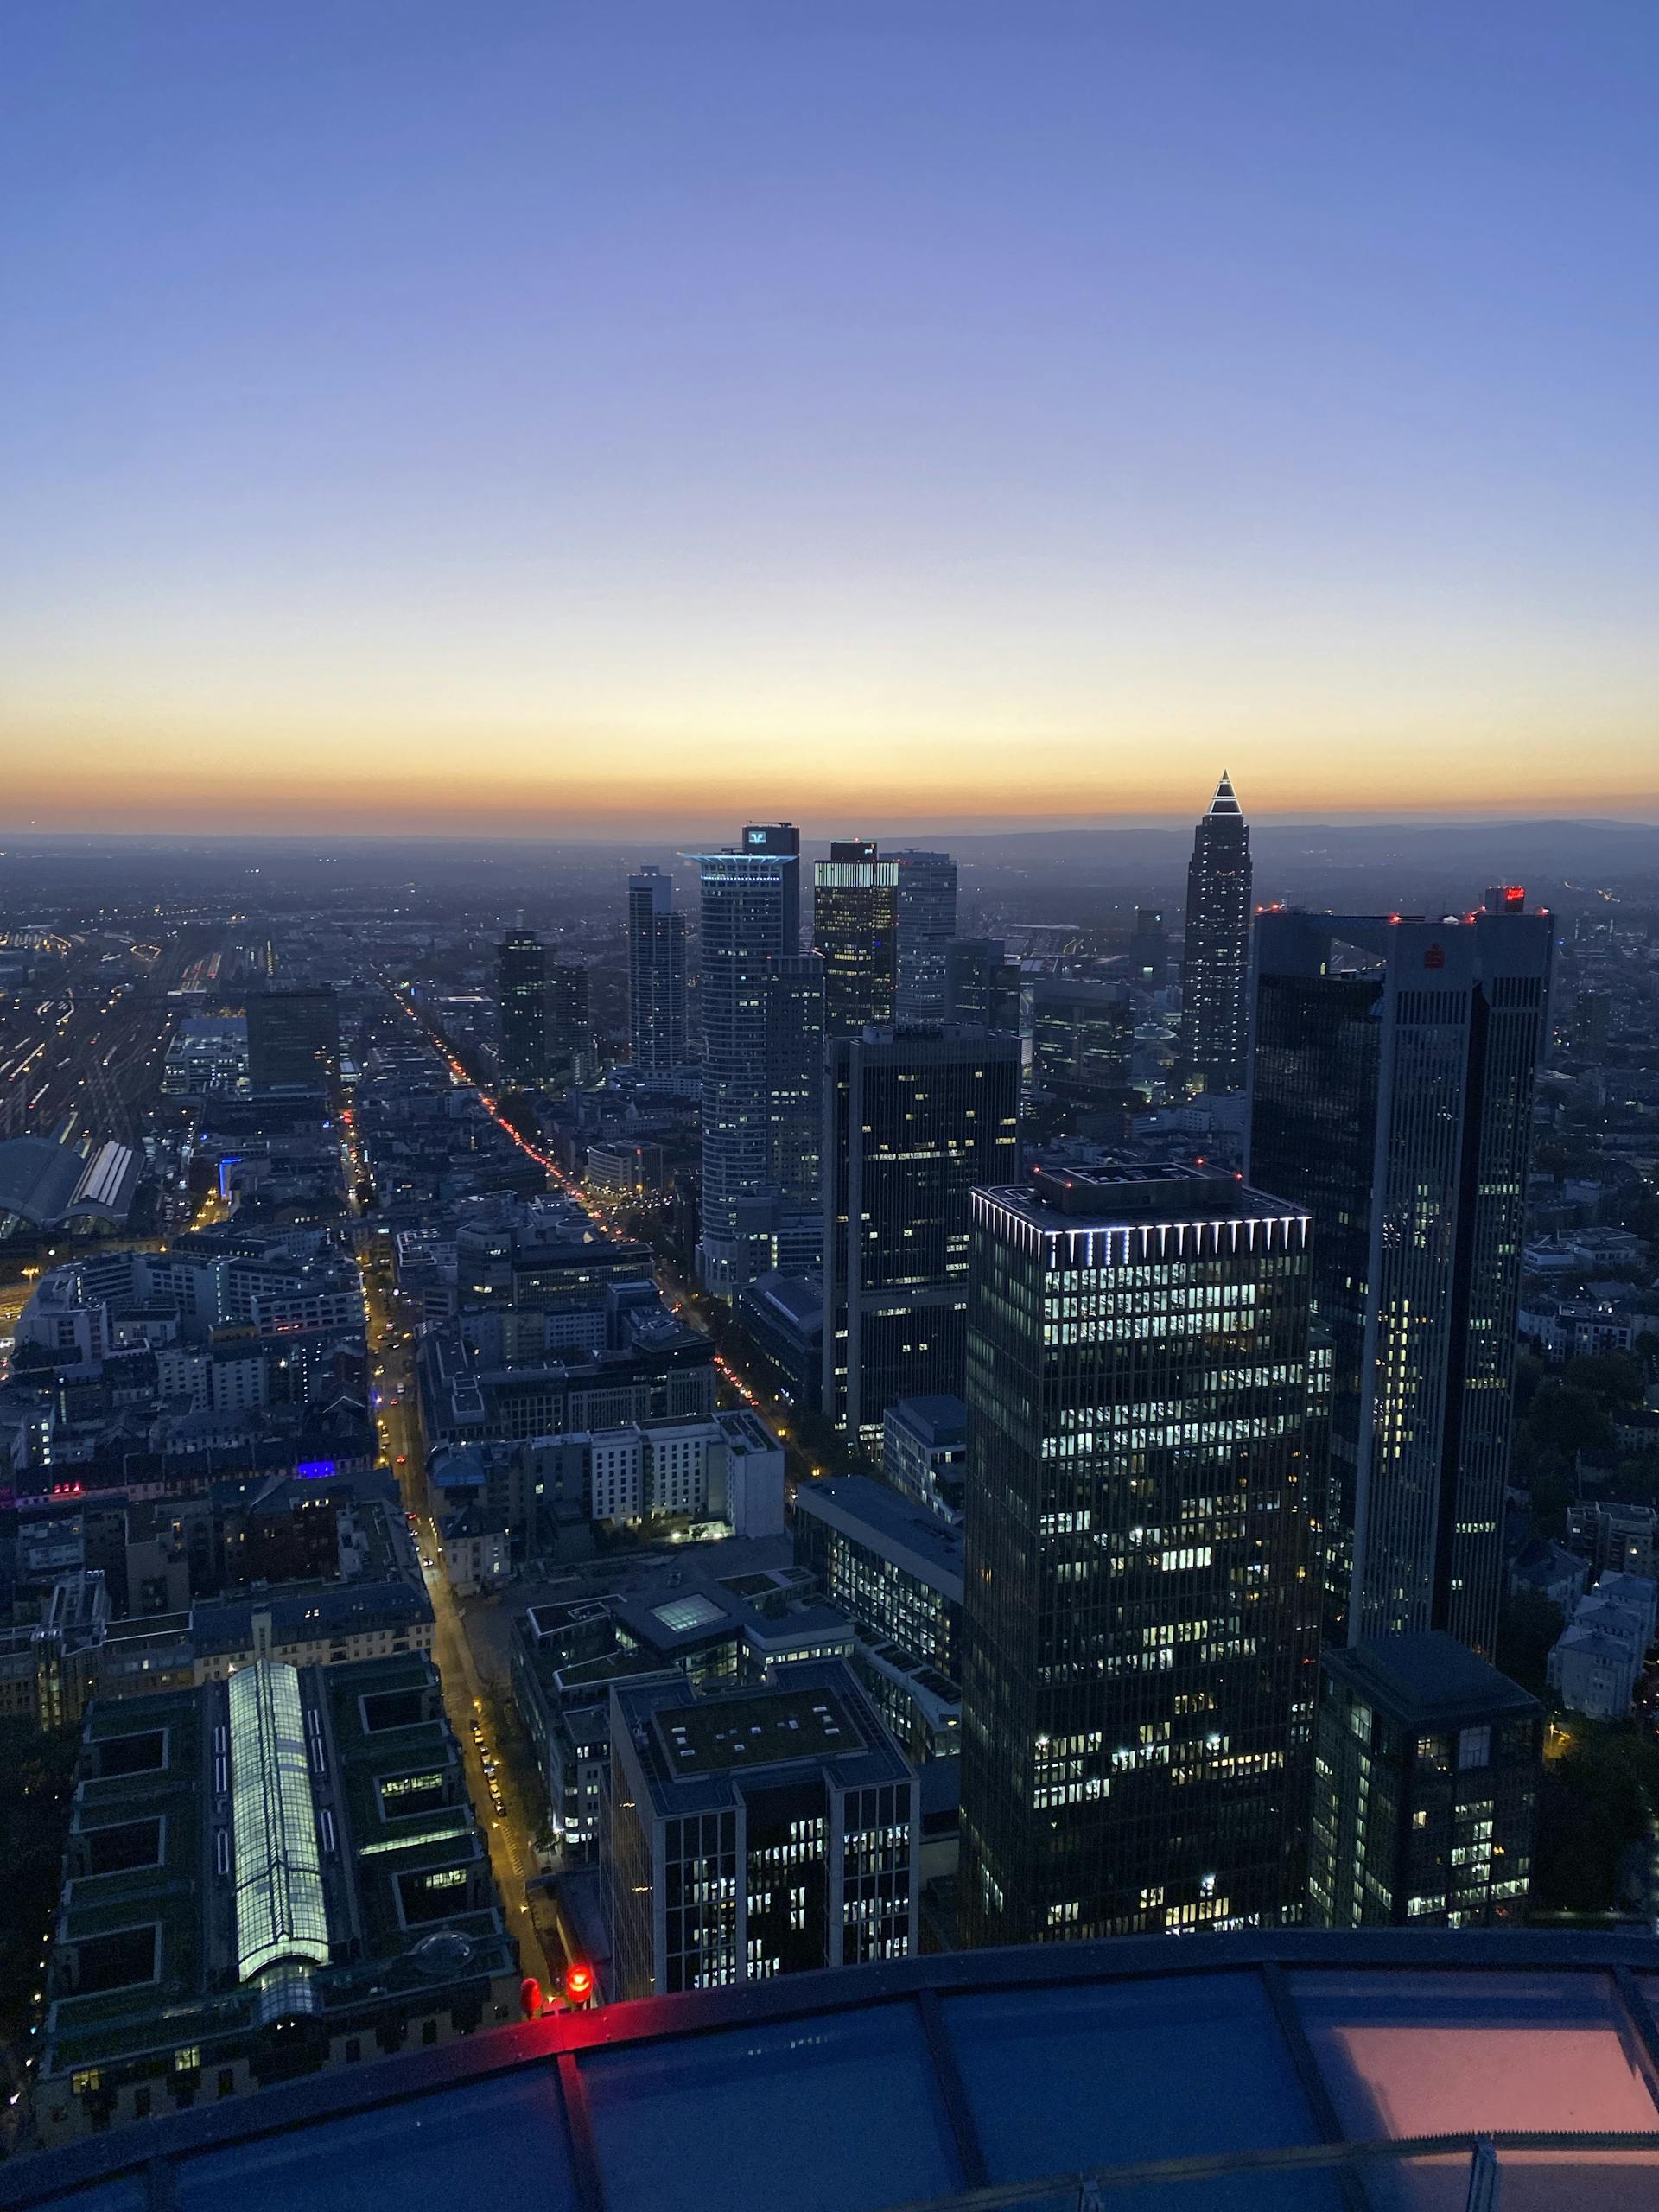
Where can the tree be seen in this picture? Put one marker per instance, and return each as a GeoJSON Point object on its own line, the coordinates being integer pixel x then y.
{"type": "Point", "coordinates": [35, 1809]}
{"type": "Point", "coordinates": [1527, 1629]}
{"type": "Point", "coordinates": [1567, 1420]}
{"type": "Point", "coordinates": [1531, 1374]}
{"type": "Point", "coordinates": [1613, 1378]}
{"type": "Point", "coordinates": [1596, 1799]}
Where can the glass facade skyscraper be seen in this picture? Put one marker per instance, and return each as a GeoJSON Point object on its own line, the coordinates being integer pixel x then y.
{"type": "Point", "coordinates": [856, 928]}
{"type": "Point", "coordinates": [982, 985]}
{"type": "Point", "coordinates": [521, 973]}
{"type": "Point", "coordinates": [751, 917]}
{"type": "Point", "coordinates": [1216, 977]}
{"type": "Point", "coordinates": [293, 1039]}
{"type": "Point", "coordinates": [910, 1124]}
{"type": "Point", "coordinates": [927, 922]}
{"type": "Point", "coordinates": [656, 974]}
{"type": "Point", "coordinates": [1140, 1590]}
{"type": "Point", "coordinates": [794, 1033]}
{"type": "Point", "coordinates": [1391, 1095]}
{"type": "Point", "coordinates": [1081, 1035]}
{"type": "Point", "coordinates": [570, 1055]}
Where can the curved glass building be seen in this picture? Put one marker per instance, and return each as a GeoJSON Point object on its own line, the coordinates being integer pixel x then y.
{"type": "Point", "coordinates": [1291, 2072]}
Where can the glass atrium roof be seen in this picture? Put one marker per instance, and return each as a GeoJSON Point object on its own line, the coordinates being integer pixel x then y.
{"type": "Point", "coordinates": [280, 1909]}
{"type": "Point", "coordinates": [1287, 2073]}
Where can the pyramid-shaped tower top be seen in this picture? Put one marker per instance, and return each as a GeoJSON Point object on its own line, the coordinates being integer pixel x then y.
{"type": "Point", "coordinates": [1225, 801]}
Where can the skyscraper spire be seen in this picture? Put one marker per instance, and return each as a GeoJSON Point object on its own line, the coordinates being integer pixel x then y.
{"type": "Point", "coordinates": [1218, 966]}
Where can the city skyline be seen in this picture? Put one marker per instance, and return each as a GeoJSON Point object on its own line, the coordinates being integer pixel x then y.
{"type": "Point", "coordinates": [767, 415]}
{"type": "Point", "coordinates": [828, 1103]}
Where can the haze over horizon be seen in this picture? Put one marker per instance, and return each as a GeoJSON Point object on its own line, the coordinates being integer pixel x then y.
{"type": "Point", "coordinates": [423, 422]}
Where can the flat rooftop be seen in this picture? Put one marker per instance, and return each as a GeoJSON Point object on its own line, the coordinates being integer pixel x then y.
{"type": "Point", "coordinates": [767, 1730]}
{"type": "Point", "coordinates": [869, 1513]}
{"type": "Point", "coordinates": [1057, 1199]}
{"type": "Point", "coordinates": [1427, 1680]}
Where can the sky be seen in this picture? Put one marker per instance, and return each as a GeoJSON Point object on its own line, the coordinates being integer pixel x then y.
{"type": "Point", "coordinates": [504, 415]}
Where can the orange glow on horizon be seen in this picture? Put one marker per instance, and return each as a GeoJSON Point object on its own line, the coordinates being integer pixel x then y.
{"type": "Point", "coordinates": [602, 801]}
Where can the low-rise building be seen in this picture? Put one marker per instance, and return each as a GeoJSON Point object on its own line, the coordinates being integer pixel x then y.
{"type": "Point", "coordinates": [728, 1467]}
{"type": "Point", "coordinates": [1600, 1655]}
{"type": "Point", "coordinates": [1549, 1571]}
{"type": "Point", "coordinates": [1614, 1538]}
{"type": "Point", "coordinates": [890, 1564]}
{"type": "Point", "coordinates": [564, 1659]}
{"type": "Point", "coordinates": [477, 1550]}
{"type": "Point", "coordinates": [925, 1451]}
{"type": "Point", "coordinates": [266, 1877]}
{"type": "Point", "coordinates": [303, 1625]}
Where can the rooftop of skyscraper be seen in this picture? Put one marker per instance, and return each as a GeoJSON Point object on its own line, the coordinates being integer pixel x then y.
{"type": "Point", "coordinates": [1293, 2070]}
{"type": "Point", "coordinates": [1427, 1680]}
{"type": "Point", "coordinates": [1056, 1199]}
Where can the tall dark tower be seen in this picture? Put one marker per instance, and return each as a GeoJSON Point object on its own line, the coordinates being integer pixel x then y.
{"type": "Point", "coordinates": [1216, 981]}
{"type": "Point", "coordinates": [521, 970]}
{"type": "Point", "coordinates": [1391, 1096]}
{"type": "Point", "coordinates": [656, 974]}
{"type": "Point", "coordinates": [910, 1124]}
{"type": "Point", "coordinates": [751, 918]}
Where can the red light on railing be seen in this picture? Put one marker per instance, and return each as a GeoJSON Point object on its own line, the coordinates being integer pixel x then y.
{"type": "Point", "coordinates": [578, 1982]}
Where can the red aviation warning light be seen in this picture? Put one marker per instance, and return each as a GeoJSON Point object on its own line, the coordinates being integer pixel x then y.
{"type": "Point", "coordinates": [578, 1982]}
{"type": "Point", "coordinates": [529, 1997]}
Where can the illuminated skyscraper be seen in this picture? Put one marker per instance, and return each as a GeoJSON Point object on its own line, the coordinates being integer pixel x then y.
{"type": "Point", "coordinates": [927, 923]}
{"type": "Point", "coordinates": [855, 927]}
{"type": "Point", "coordinates": [751, 917]}
{"type": "Point", "coordinates": [754, 1832]}
{"type": "Point", "coordinates": [570, 1055]}
{"type": "Point", "coordinates": [1425, 1787]}
{"type": "Point", "coordinates": [1391, 1095]}
{"type": "Point", "coordinates": [521, 991]}
{"type": "Point", "coordinates": [656, 974]}
{"type": "Point", "coordinates": [910, 1124]}
{"type": "Point", "coordinates": [1216, 982]}
{"type": "Point", "coordinates": [1141, 1603]}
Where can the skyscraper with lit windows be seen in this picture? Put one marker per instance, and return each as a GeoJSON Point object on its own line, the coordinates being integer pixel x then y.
{"type": "Point", "coordinates": [856, 928]}
{"type": "Point", "coordinates": [1215, 982]}
{"type": "Point", "coordinates": [910, 1124]}
{"type": "Point", "coordinates": [1140, 1590]}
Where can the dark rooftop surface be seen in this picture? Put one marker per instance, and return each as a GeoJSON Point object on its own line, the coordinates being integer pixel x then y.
{"type": "Point", "coordinates": [776, 1725]}
{"type": "Point", "coordinates": [870, 1514]}
{"type": "Point", "coordinates": [1427, 1680]}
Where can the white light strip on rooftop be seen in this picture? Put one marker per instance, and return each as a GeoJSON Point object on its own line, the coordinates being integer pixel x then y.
{"type": "Point", "coordinates": [280, 1909]}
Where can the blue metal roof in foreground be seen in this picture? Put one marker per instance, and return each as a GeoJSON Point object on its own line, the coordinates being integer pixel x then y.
{"type": "Point", "coordinates": [1285, 2072]}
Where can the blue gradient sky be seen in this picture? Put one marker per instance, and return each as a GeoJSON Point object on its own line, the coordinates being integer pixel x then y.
{"type": "Point", "coordinates": [425, 416]}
